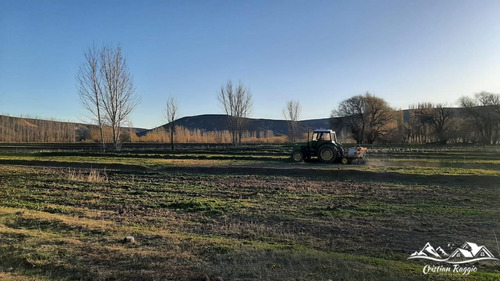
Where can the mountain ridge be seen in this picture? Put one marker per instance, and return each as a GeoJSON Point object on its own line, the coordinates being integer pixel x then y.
{"type": "Point", "coordinates": [219, 122]}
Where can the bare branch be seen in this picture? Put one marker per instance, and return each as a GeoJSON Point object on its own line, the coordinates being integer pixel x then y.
{"type": "Point", "coordinates": [89, 85]}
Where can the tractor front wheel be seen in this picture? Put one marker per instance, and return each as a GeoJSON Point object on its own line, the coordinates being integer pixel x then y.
{"type": "Point", "coordinates": [297, 156]}
{"type": "Point", "coordinates": [327, 154]}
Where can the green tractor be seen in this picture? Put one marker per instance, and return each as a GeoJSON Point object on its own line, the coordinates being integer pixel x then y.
{"type": "Point", "coordinates": [325, 146]}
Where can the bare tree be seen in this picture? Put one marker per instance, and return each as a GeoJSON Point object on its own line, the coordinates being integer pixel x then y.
{"type": "Point", "coordinates": [414, 129]}
{"type": "Point", "coordinates": [367, 116]}
{"type": "Point", "coordinates": [379, 115]}
{"type": "Point", "coordinates": [292, 115]}
{"type": "Point", "coordinates": [89, 81]}
{"type": "Point", "coordinates": [352, 112]}
{"type": "Point", "coordinates": [237, 103]}
{"type": "Point", "coordinates": [439, 117]}
{"type": "Point", "coordinates": [172, 111]}
{"type": "Point", "coordinates": [118, 92]}
{"type": "Point", "coordinates": [483, 111]}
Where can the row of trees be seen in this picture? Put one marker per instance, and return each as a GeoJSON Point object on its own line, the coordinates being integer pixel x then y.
{"type": "Point", "coordinates": [184, 135]}
{"type": "Point", "coordinates": [236, 101]}
{"type": "Point", "coordinates": [476, 121]}
{"type": "Point", "coordinates": [106, 89]}
{"type": "Point", "coordinates": [427, 122]}
{"type": "Point", "coordinates": [237, 104]}
{"type": "Point", "coordinates": [483, 116]}
{"type": "Point", "coordinates": [369, 119]}
{"type": "Point", "coordinates": [31, 130]}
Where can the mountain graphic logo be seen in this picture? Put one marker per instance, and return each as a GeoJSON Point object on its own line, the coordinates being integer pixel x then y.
{"type": "Point", "coordinates": [468, 252]}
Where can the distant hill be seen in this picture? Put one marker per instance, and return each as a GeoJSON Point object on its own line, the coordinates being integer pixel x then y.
{"type": "Point", "coordinates": [218, 122]}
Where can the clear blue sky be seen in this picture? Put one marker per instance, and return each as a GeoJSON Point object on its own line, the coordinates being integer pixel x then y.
{"type": "Point", "coordinates": [316, 52]}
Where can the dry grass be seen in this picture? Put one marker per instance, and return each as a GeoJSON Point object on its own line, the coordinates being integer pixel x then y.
{"type": "Point", "coordinates": [93, 175]}
{"type": "Point", "coordinates": [4, 276]}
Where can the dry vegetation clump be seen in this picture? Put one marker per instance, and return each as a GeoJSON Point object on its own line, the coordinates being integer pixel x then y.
{"type": "Point", "coordinates": [185, 135]}
{"type": "Point", "coordinates": [93, 175]}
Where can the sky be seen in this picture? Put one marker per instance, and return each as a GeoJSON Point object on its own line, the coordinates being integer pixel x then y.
{"type": "Point", "coordinates": [318, 53]}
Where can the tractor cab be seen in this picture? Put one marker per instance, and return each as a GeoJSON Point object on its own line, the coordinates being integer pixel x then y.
{"type": "Point", "coordinates": [320, 137]}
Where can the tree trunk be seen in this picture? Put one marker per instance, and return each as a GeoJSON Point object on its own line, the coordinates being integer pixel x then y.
{"type": "Point", "coordinates": [172, 128]}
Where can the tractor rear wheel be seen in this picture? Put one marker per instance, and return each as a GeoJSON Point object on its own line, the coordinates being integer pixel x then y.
{"type": "Point", "coordinates": [297, 156]}
{"type": "Point", "coordinates": [327, 154]}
